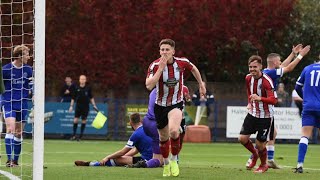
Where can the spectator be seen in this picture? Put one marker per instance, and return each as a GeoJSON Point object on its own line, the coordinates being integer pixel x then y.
{"type": "Point", "coordinates": [67, 89]}
{"type": "Point", "coordinates": [202, 103]}
{"type": "Point", "coordinates": [283, 97]}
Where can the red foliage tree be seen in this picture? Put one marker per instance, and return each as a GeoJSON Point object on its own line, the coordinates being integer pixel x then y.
{"type": "Point", "coordinates": [113, 42]}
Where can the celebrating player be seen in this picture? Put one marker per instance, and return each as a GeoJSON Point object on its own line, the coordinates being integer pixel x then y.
{"type": "Point", "coordinates": [166, 74]}
{"type": "Point", "coordinates": [261, 98]}
{"type": "Point", "coordinates": [275, 70]}
{"type": "Point", "coordinates": [138, 142]}
{"type": "Point", "coordinates": [308, 89]}
{"type": "Point", "coordinates": [16, 76]}
{"type": "Point", "coordinates": [150, 128]}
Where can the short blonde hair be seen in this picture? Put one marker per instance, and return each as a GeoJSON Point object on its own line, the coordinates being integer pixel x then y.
{"type": "Point", "coordinates": [17, 51]}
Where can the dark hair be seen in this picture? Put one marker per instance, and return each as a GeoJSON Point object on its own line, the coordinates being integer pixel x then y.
{"type": "Point", "coordinates": [255, 58]}
{"type": "Point", "coordinates": [135, 118]}
{"type": "Point", "coordinates": [167, 41]}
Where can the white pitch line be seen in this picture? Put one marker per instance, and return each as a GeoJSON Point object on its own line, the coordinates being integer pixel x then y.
{"type": "Point", "coordinates": [9, 175]}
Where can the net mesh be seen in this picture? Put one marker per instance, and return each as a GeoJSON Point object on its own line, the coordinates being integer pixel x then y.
{"type": "Point", "coordinates": [17, 28]}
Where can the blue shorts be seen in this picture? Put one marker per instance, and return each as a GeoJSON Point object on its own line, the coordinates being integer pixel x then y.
{"type": "Point", "coordinates": [311, 118]}
{"type": "Point", "coordinates": [19, 113]}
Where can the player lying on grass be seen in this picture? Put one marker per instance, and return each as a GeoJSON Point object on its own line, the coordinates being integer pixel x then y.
{"type": "Point", "coordinates": [138, 142]}
{"type": "Point", "coordinates": [150, 128]}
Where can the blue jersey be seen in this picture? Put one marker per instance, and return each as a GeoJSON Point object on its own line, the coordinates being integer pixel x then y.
{"type": "Point", "coordinates": [275, 75]}
{"type": "Point", "coordinates": [16, 81]}
{"type": "Point", "coordinates": [142, 142]}
{"type": "Point", "coordinates": [309, 80]}
{"type": "Point", "coordinates": [152, 101]}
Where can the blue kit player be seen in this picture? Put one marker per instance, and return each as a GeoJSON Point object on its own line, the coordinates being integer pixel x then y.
{"type": "Point", "coordinates": [308, 88]}
{"type": "Point", "coordinates": [16, 77]}
{"type": "Point", "coordinates": [138, 142]}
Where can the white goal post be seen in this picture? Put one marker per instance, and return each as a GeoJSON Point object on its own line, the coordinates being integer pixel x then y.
{"type": "Point", "coordinates": [39, 89]}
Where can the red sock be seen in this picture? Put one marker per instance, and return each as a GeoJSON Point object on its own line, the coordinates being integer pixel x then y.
{"type": "Point", "coordinates": [164, 148]}
{"type": "Point", "coordinates": [263, 156]}
{"type": "Point", "coordinates": [175, 146]}
{"type": "Point", "coordinates": [181, 140]}
{"type": "Point", "coordinates": [250, 147]}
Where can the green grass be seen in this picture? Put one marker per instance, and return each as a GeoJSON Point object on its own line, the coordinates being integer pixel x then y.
{"type": "Point", "coordinates": [197, 161]}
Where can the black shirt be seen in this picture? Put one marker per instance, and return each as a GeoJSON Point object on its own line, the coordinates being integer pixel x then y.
{"type": "Point", "coordinates": [82, 95]}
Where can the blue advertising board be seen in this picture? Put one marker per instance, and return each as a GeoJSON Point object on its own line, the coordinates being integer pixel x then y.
{"type": "Point", "coordinates": [62, 120]}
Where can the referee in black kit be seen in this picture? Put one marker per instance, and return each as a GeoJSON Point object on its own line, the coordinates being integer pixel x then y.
{"type": "Point", "coordinates": [82, 96]}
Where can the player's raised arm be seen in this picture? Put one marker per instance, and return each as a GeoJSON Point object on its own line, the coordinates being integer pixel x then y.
{"type": "Point", "coordinates": [295, 50]}
{"type": "Point", "coordinates": [295, 62]}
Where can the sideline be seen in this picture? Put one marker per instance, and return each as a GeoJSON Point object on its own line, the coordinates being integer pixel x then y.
{"type": "Point", "coordinates": [9, 175]}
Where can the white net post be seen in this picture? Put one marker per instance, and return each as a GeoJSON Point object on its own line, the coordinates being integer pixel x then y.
{"type": "Point", "coordinates": [39, 89]}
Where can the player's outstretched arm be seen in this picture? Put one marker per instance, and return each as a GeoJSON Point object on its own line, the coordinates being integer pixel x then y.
{"type": "Point", "coordinates": [295, 51]}
{"type": "Point", "coordinates": [294, 63]}
{"type": "Point", "coordinates": [132, 152]}
{"type": "Point", "coordinates": [197, 75]}
{"type": "Point", "coordinates": [115, 155]}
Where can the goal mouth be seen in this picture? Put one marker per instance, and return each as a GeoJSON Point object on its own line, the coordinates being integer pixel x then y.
{"type": "Point", "coordinates": [22, 41]}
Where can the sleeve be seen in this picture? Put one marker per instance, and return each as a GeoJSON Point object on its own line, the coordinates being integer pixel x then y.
{"type": "Point", "coordinates": [271, 94]}
{"type": "Point", "coordinates": [247, 79]}
{"type": "Point", "coordinates": [152, 70]}
{"type": "Point", "coordinates": [132, 140]}
{"type": "Point", "coordinates": [301, 78]}
{"type": "Point", "coordinates": [279, 72]}
{"type": "Point", "coordinates": [188, 65]}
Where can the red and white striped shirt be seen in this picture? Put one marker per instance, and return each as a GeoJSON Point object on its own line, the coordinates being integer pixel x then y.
{"type": "Point", "coordinates": [169, 86]}
{"type": "Point", "coordinates": [264, 88]}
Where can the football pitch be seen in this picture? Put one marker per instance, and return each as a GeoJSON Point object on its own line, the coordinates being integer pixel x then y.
{"type": "Point", "coordinates": [197, 161]}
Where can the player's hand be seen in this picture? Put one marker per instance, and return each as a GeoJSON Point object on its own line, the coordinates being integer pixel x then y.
{"type": "Point", "coordinates": [305, 50]}
{"type": "Point", "coordinates": [163, 62]}
{"type": "Point", "coordinates": [255, 97]}
{"type": "Point", "coordinates": [296, 49]}
{"type": "Point", "coordinates": [202, 91]}
{"type": "Point", "coordinates": [249, 106]}
{"type": "Point", "coordinates": [70, 109]}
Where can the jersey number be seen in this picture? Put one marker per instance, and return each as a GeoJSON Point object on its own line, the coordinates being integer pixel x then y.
{"type": "Point", "coordinates": [313, 79]}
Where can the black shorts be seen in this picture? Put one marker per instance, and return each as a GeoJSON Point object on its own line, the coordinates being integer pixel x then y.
{"type": "Point", "coordinates": [183, 126]}
{"type": "Point", "coordinates": [135, 159]}
{"type": "Point", "coordinates": [161, 114]}
{"type": "Point", "coordinates": [264, 127]}
{"type": "Point", "coordinates": [81, 111]}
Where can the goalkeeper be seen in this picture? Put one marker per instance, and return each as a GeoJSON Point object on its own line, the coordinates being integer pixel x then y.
{"type": "Point", "coordinates": [16, 78]}
{"type": "Point", "coordinates": [139, 142]}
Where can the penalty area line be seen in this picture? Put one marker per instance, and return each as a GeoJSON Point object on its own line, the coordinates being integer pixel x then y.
{"type": "Point", "coordinates": [9, 175]}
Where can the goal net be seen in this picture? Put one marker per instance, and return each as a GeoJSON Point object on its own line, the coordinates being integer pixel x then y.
{"type": "Point", "coordinates": [22, 46]}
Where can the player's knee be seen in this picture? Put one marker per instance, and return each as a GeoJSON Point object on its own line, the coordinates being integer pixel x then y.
{"type": "Point", "coordinates": [174, 133]}
{"type": "Point", "coordinates": [10, 130]}
{"type": "Point", "coordinates": [242, 139]}
{"type": "Point", "coordinates": [18, 135]}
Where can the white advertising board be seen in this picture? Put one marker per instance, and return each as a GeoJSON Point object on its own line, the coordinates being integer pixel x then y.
{"type": "Point", "coordinates": [287, 122]}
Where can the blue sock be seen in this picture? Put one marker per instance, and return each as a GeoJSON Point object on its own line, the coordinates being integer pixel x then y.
{"type": "Point", "coordinates": [9, 144]}
{"type": "Point", "coordinates": [270, 150]}
{"type": "Point", "coordinates": [303, 146]}
{"type": "Point", "coordinates": [17, 148]}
